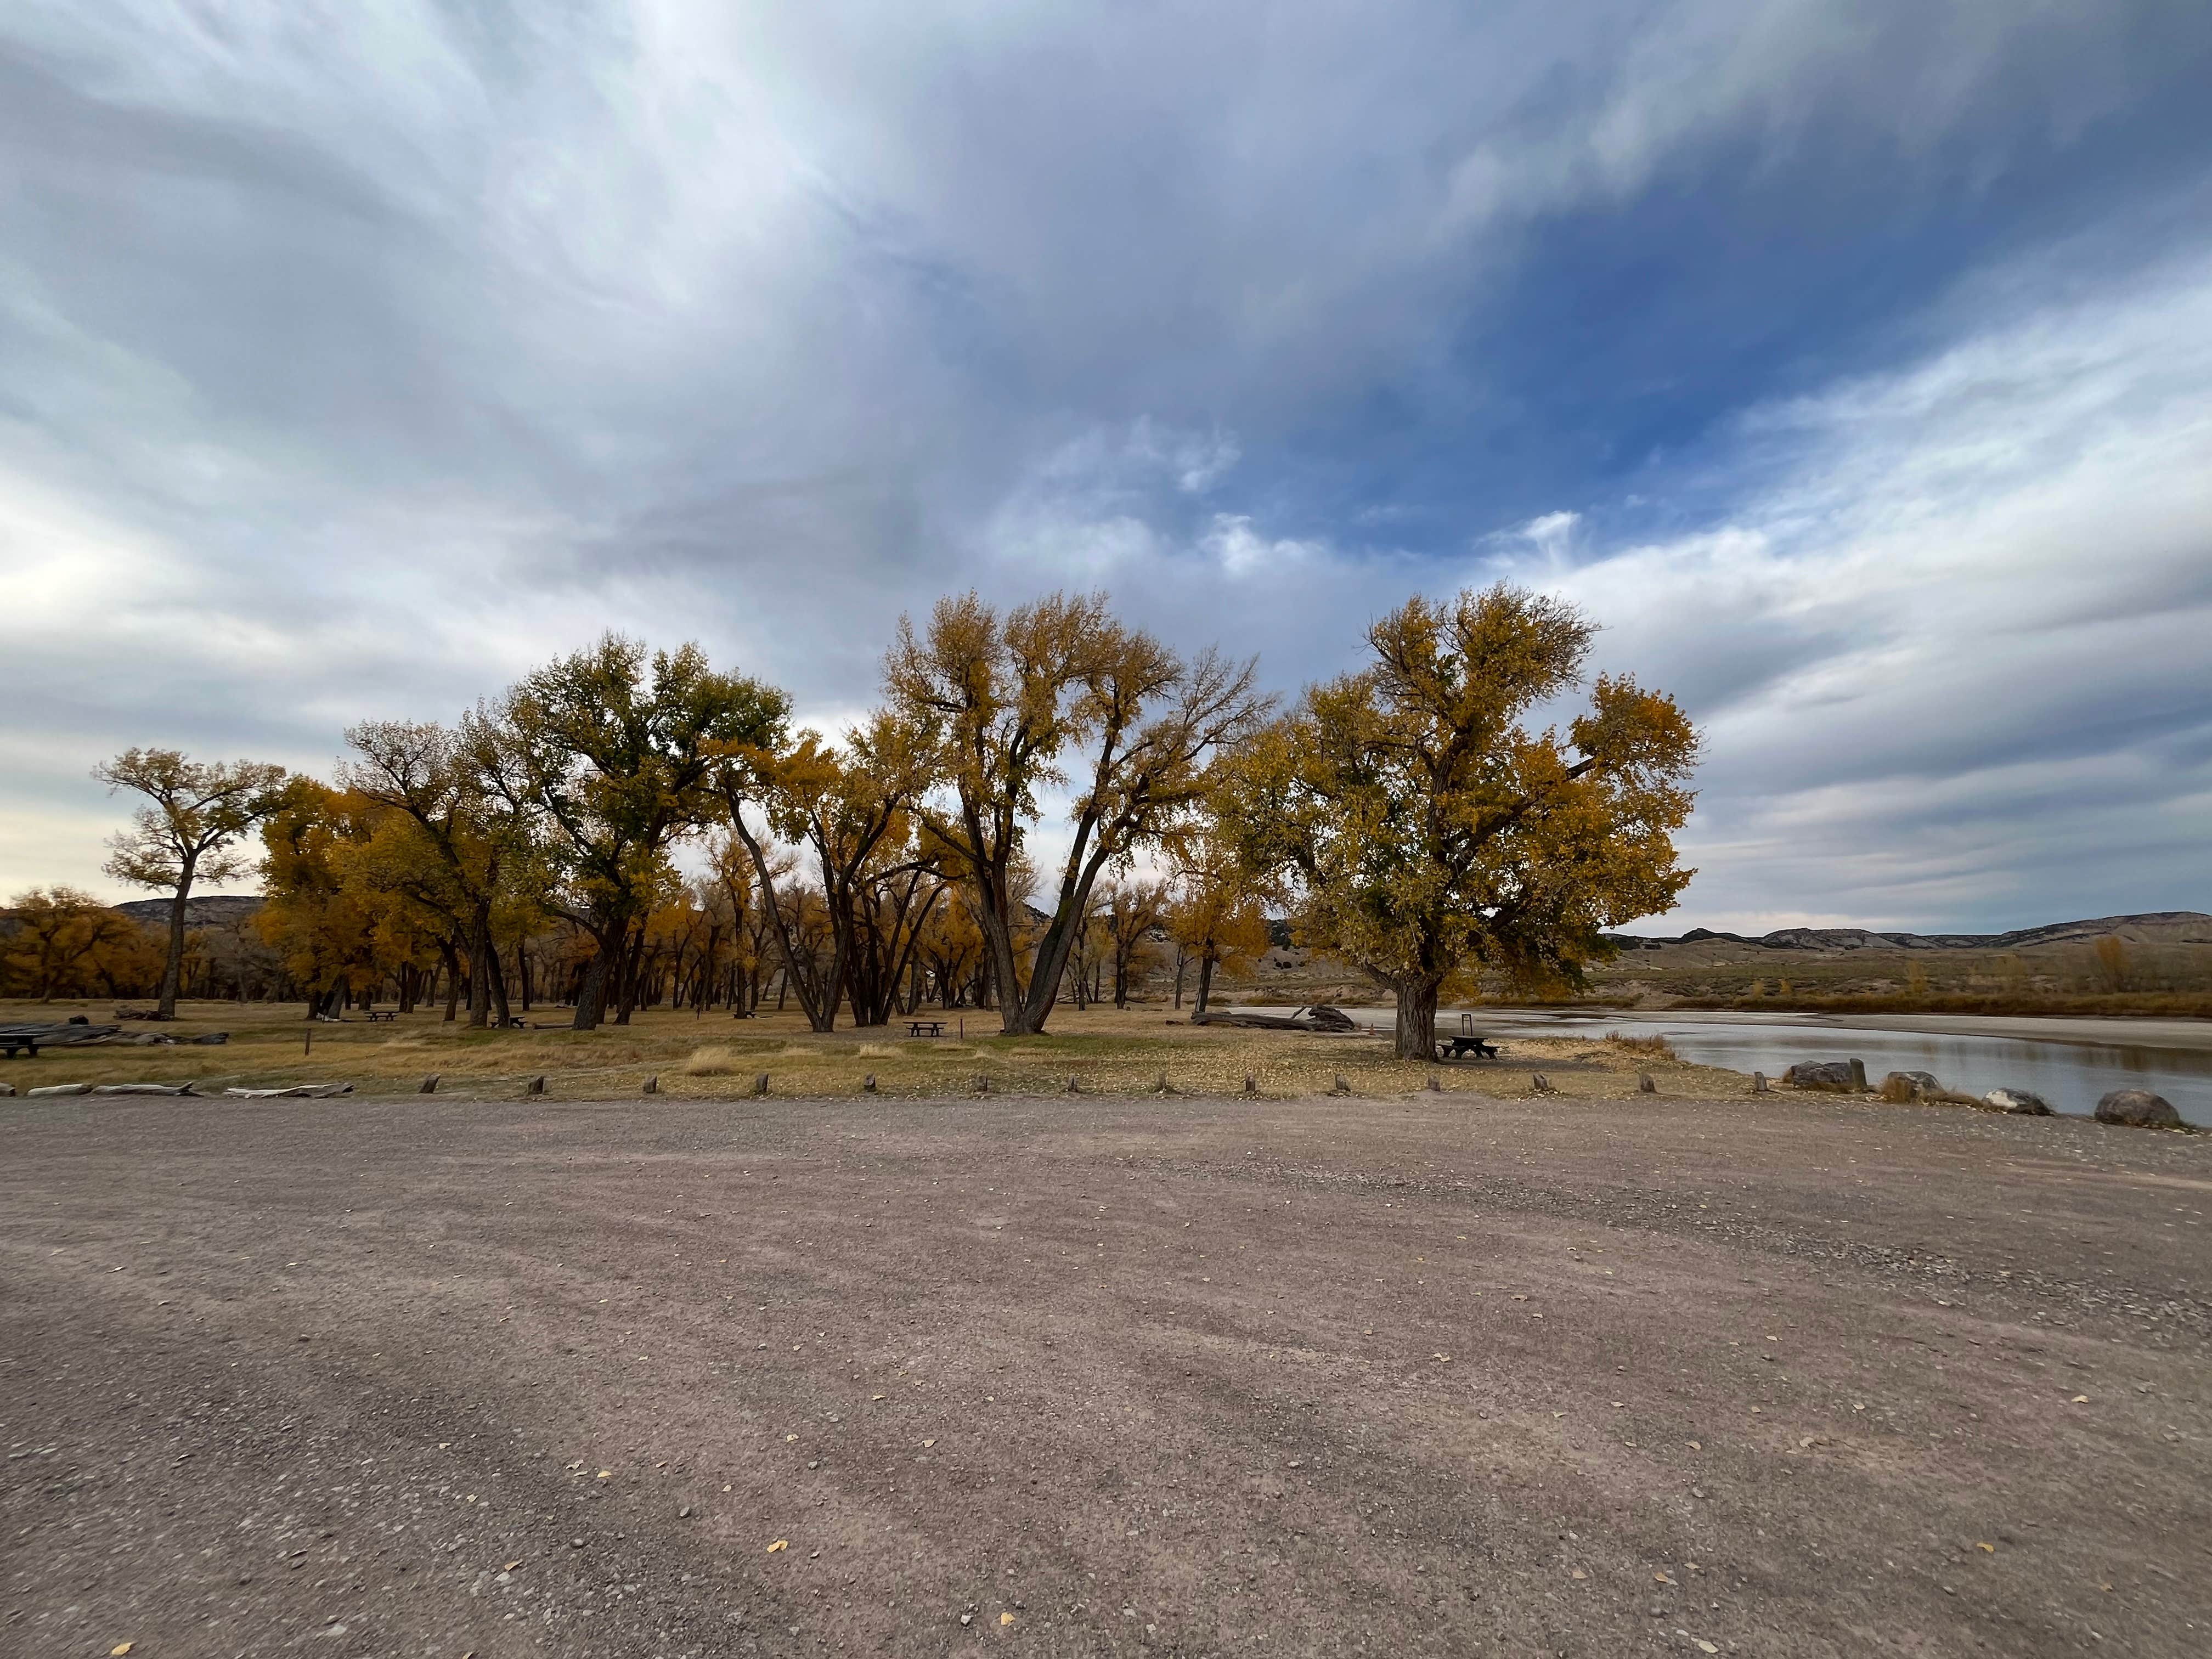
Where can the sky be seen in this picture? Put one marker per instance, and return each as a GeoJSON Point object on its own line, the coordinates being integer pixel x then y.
{"type": "Point", "coordinates": [1849, 362]}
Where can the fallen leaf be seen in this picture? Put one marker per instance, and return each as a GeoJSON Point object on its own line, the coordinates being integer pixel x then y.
{"type": "Point", "coordinates": [120, 1647]}
{"type": "Point", "coordinates": [1704, 1646]}
{"type": "Point", "coordinates": [1990, 1548]}
{"type": "Point", "coordinates": [606, 1475]}
{"type": "Point", "coordinates": [875, 1396]}
{"type": "Point", "coordinates": [1661, 1578]}
{"type": "Point", "coordinates": [510, 1566]}
{"type": "Point", "coordinates": [1444, 1358]}
{"type": "Point", "coordinates": [929, 1442]}
{"type": "Point", "coordinates": [1579, 1573]}
{"type": "Point", "coordinates": [1697, 1446]}
{"type": "Point", "coordinates": [789, 1438]}
{"type": "Point", "coordinates": [2081, 1398]}
{"type": "Point", "coordinates": [1005, 1618]}
{"type": "Point", "coordinates": [779, 1544]}
{"type": "Point", "coordinates": [1520, 1299]}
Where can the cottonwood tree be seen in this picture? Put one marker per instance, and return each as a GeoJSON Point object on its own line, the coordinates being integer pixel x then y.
{"type": "Point", "coordinates": [452, 843]}
{"type": "Point", "coordinates": [1428, 832]}
{"type": "Point", "coordinates": [332, 928]}
{"type": "Point", "coordinates": [951, 948]}
{"type": "Point", "coordinates": [607, 757]}
{"type": "Point", "coordinates": [59, 935]}
{"type": "Point", "coordinates": [1052, 694]}
{"type": "Point", "coordinates": [852, 807]}
{"type": "Point", "coordinates": [196, 814]}
{"type": "Point", "coordinates": [1215, 914]}
{"type": "Point", "coordinates": [1133, 909]}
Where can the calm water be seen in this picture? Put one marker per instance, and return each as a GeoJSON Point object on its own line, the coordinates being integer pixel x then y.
{"type": "Point", "coordinates": [2070, 1073]}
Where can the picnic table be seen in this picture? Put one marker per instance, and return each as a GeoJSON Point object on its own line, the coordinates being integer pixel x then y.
{"type": "Point", "coordinates": [1458, 1048]}
{"type": "Point", "coordinates": [916, 1028]}
{"type": "Point", "coordinates": [27, 1039]}
{"type": "Point", "coordinates": [387, 1015]}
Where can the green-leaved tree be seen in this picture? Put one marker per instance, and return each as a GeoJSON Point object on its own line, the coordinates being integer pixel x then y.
{"type": "Point", "coordinates": [198, 812]}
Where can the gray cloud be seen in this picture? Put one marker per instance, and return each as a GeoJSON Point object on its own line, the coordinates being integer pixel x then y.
{"type": "Point", "coordinates": [358, 358]}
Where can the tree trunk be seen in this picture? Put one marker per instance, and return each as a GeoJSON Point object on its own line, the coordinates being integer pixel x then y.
{"type": "Point", "coordinates": [593, 991]}
{"type": "Point", "coordinates": [629, 964]}
{"type": "Point", "coordinates": [480, 969]}
{"type": "Point", "coordinates": [452, 956]}
{"type": "Point", "coordinates": [173, 970]}
{"type": "Point", "coordinates": [1205, 979]}
{"type": "Point", "coordinates": [497, 971]}
{"type": "Point", "coordinates": [1183, 960]}
{"type": "Point", "coordinates": [1417, 1018]}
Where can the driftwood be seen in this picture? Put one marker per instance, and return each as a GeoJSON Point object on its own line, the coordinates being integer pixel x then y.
{"type": "Point", "coordinates": [298, 1091]}
{"type": "Point", "coordinates": [142, 1089]}
{"type": "Point", "coordinates": [1319, 1018]}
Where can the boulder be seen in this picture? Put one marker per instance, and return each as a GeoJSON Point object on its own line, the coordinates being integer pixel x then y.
{"type": "Point", "coordinates": [1841, 1077]}
{"type": "Point", "coordinates": [1899, 1087]}
{"type": "Point", "coordinates": [2018, 1102]}
{"type": "Point", "coordinates": [2138, 1108]}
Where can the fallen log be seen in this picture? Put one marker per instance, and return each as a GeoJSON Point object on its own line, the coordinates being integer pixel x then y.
{"type": "Point", "coordinates": [1319, 1018]}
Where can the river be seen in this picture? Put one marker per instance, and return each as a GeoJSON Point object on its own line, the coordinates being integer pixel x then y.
{"type": "Point", "coordinates": [2071, 1063]}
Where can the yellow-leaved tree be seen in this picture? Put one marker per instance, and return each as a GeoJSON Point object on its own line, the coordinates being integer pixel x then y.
{"type": "Point", "coordinates": [1426, 833]}
{"type": "Point", "coordinates": [1057, 693]}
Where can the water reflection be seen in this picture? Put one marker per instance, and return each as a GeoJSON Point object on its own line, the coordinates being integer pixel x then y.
{"type": "Point", "coordinates": [2070, 1073]}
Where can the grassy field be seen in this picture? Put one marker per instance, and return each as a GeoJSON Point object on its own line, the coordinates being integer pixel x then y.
{"type": "Point", "coordinates": [1105, 1050]}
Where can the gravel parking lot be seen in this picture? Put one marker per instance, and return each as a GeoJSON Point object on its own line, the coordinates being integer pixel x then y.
{"type": "Point", "coordinates": [1100, 1375]}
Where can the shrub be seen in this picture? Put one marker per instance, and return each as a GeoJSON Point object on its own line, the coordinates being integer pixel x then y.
{"type": "Point", "coordinates": [1653, 1048]}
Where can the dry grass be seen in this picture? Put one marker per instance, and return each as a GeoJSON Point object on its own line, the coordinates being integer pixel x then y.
{"type": "Point", "coordinates": [1105, 1050]}
{"type": "Point", "coordinates": [1643, 1048]}
{"type": "Point", "coordinates": [712, 1061]}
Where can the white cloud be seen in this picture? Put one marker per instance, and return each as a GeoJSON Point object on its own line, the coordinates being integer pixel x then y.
{"type": "Point", "coordinates": [1953, 645]}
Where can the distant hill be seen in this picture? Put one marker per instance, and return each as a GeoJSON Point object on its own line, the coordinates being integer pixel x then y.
{"type": "Point", "coordinates": [215, 910]}
{"type": "Point", "coordinates": [2161, 927]}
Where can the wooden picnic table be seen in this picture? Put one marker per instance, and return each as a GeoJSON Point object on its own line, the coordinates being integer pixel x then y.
{"type": "Point", "coordinates": [916, 1028]}
{"type": "Point", "coordinates": [28, 1039]}
{"type": "Point", "coordinates": [1459, 1047]}
{"type": "Point", "coordinates": [387, 1015]}
{"type": "Point", "coordinates": [22, 1038]}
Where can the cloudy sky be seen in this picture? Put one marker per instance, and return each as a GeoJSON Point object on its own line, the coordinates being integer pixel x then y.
{"type": "Point", "coordinates": [1851, 360]}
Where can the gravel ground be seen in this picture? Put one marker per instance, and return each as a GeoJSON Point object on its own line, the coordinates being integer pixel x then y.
{"type": "Point", "coordinates": [1100, 1375]}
